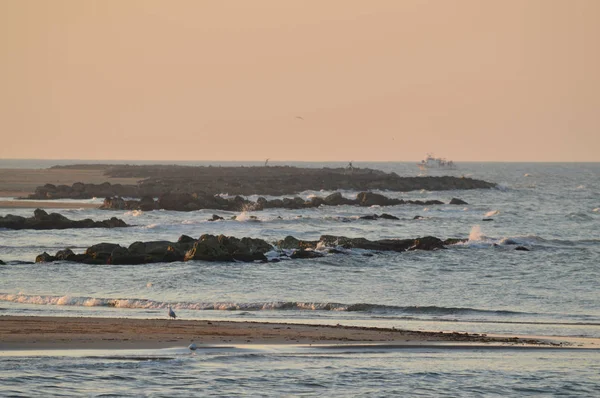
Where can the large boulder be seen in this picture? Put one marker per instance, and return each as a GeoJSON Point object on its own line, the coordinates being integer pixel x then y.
{"type": "Point", "coordinates": [208, 248]}
{"type": "Point", "coordinates": [147, 203]}
{"type": "Point", "coordinates": [44, 258]}
{"type": "Point", "coordinates": [101, 252]}
{"type": "Point", "coordinates": [335, 199]}
{"type": "Point", "coordinates": [116, 203]}
{"type": "Point", "coordinates": [64, 255]}
{"type": "Point", "coordinates": [375, 199]}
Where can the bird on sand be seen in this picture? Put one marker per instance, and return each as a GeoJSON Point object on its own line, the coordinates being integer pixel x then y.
{"type": "Point", "coordinates": [172, 313]}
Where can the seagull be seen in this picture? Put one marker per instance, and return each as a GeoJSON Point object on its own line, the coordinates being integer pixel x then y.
{"type": "Point", "coordinates": [193, 346]}
{"type": "Point", "coordinates": [299, 117]}
{"type": "Point", "coordinates": [266, 162]}
{"type": "Point", "coordinates": [172, 313]}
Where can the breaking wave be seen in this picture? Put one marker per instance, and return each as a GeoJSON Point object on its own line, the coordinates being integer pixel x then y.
{"type": "Point", "coordinates": [136, 303]}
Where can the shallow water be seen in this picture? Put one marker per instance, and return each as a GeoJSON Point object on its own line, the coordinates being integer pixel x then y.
{"type": "Point", "coordinates": [285, 371]}
{"type": "Point", "coordinates": [481, 286]}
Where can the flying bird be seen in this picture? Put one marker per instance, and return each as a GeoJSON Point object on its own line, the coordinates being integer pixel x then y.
{"type": "Point", "coordinates": [299, 117]}
{"type": "Point", "coordinates": [172, 313]}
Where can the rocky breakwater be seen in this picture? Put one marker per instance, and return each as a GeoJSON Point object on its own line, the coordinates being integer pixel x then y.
{"type": "Point", "coordinates": [192, 202]}
{"type": "Point", "coordinates": [228, 248]}
{"type": "Point", "coordinates": [276, 181]}
{"type": "Point", "coordinates": [43, 220]}
{"type": "Point", "coordinates": [80, 190]}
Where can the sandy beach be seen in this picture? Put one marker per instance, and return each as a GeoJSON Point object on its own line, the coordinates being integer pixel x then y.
{"type": "Point", "coordinates": [21, 332]}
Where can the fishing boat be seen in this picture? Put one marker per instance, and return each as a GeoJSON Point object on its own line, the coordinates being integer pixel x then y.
{"type": "Point", "coordinates": [431, 162]}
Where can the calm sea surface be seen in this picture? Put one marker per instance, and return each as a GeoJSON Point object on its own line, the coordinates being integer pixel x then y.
{"type": "Point", "coordinates": [483, 285]}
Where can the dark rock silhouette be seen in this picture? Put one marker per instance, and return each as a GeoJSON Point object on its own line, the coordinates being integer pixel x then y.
{"type": "Point", "coordinates": [377, 217]}
{"type": "Point", "coordinates": [228, 248]}
{"type": "Point", "coordinates": [193, 202]}
{"type": "Point", "coordinates": [43, 220]}
{"type": "Point", "coordinates": [456, 201]}
{"type": "Point", "coordinates": [158, 180]}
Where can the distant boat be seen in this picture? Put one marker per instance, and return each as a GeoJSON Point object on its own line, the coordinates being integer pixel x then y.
{"type": "Point", "coordinates": [431, 162]}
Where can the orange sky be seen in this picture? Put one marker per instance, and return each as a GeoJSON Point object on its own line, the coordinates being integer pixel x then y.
{"type": "Point", "coordinates": [506, 80]}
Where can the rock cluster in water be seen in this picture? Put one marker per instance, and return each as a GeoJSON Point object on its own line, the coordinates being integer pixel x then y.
{"type": "Point", "coordinates": [228, 248]}
{"type": "Point", "coordinates": [192, 202]}
{"type": "Point", "coordinates": [43, 220]}
{"type": "Point", "coordinates": [157, 180]}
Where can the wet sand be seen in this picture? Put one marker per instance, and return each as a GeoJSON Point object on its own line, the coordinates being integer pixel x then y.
{"type": "Point", "coordinates": [21, 182]}
{"type": "Point", "coordinates": [35, 333]}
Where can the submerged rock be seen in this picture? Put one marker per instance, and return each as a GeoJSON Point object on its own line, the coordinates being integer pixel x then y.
{"type": "Point", "coordinates": [456, 201]}
{"type": "Point", "coordinates": [522, 248]}
{"type": "Point", "coordinates": [377, 217]}
{"type": "Point", "coordinates": [44, 221]}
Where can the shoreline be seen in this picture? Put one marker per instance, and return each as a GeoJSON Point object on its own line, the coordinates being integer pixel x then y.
{"type": "Point", "coordinates": [56, 333]}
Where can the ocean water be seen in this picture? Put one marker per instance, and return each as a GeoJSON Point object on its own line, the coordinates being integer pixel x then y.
{"type": "Point", "coordinates": [483, 285]}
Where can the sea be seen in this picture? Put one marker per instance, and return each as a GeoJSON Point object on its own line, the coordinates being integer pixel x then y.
{"type": "Point", "coordinates": [482, 285]}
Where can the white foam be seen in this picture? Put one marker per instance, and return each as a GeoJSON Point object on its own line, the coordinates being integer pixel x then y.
{"type": "Point", "coordinates": [476, 235]}
{"type": "Point", "coordinates": [596, 210]}
{"type": "Point", "coordinates": [134, 213]}
{"type": "Point", "coordinates": [245, 217]}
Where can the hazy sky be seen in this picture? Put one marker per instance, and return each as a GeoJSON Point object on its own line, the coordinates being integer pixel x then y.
{"type": "Point", "coordinates": [373, 80]}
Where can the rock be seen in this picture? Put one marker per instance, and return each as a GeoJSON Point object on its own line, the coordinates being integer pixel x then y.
{"type": "Point", "coordinates": [418, 217]}
{"type": "Point", "coordinates": [335, 199]}
{"type": "Point", "coordinates": [371, 217]}
{"type": "Point", "coordinates": [101, 252]}
{"type": "Point", "coordinates": [456, 201]}
{"type": "Point", "coordinates": [64, 255]}
{"type": "Point", "coordinates": [2, 262]}
{"type": "Point", "coordinates": [522, 248]}
{"type": "Point", "coordinates": [398, 245]}
{"type": "Point", "coordinates": [44, 221]}
{"type": "Point", "coordinates": [215, 218]}
{"type": "Point", "coordinates": [116, 203]}
{"type": "Point", "coordinates": [39, 214]}
{"type": "Point", "coordinates": [487, 219]}
{"type": "Point", "coordinates": [44, 258]}
{"type": "Point", "coordinates": [229, 248]}
{"type": "Point", "coordinates": [301, 253]}
{"type": "Point", "coordinates": [147, 203]}
{"type": "Point", "coordinates": [375, 199]}
{"type": "Point", "coordinates": [454, 241]}
{"type": "Point", "coordinates": [208, 248]}
{"type": "Point", "coordinates": [292, 243]}
{"type": "Point", "coordinates": [386, 216]}
{"type": "Point", "coordinates": [121, 255]}
{"type": "Point", "coordinates": [428, 243]}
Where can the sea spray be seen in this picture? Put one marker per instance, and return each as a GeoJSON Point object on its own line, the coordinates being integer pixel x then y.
{"type": "Point", "coordinates": [476, 235]}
